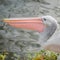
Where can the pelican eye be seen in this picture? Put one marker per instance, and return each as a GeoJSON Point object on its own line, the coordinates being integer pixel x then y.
{"type": "Point", "coordinates": [44, 19]}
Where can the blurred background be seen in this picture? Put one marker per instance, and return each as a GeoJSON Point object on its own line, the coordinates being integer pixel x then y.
{"type": "Point", "coordinates": [29, 8]}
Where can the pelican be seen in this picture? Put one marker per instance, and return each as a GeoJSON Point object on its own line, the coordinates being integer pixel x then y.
{"type": "Point", "coordinates": [53, 44]}
{"type": "Point", "coordinates": [45, 25]}
{"type": "Point", "coordinates": [51, 27]}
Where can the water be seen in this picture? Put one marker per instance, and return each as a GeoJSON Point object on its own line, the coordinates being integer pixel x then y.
{"type": "Point", "coordinates": [29, 8]}
{"type": "Point", "coordinates": [21, 42]}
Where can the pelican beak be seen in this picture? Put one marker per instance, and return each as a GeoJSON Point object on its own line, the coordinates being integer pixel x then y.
{"type": "Point", "coordinates": [35, 24]}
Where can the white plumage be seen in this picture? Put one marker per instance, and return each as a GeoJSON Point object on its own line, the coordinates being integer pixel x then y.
{"type": "Point", "coordinates": [54, 42]}
{"type": "Point", "coordinates": [51, 26]}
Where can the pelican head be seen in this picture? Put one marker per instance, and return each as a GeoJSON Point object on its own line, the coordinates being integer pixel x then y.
{"type": "Point", "coordinates": [51, 26]}
{"type": "Point", "coordinates": [49, 21]}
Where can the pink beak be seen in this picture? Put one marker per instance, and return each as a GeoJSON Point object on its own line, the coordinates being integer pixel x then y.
{"type": "Point", "coordinates": [26, 23]}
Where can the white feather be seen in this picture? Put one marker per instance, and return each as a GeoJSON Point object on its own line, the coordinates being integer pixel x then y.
{"type": "Point", "coordinates": [50, 30]}
{"type": "Point", "coordinates": [54, 39]}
